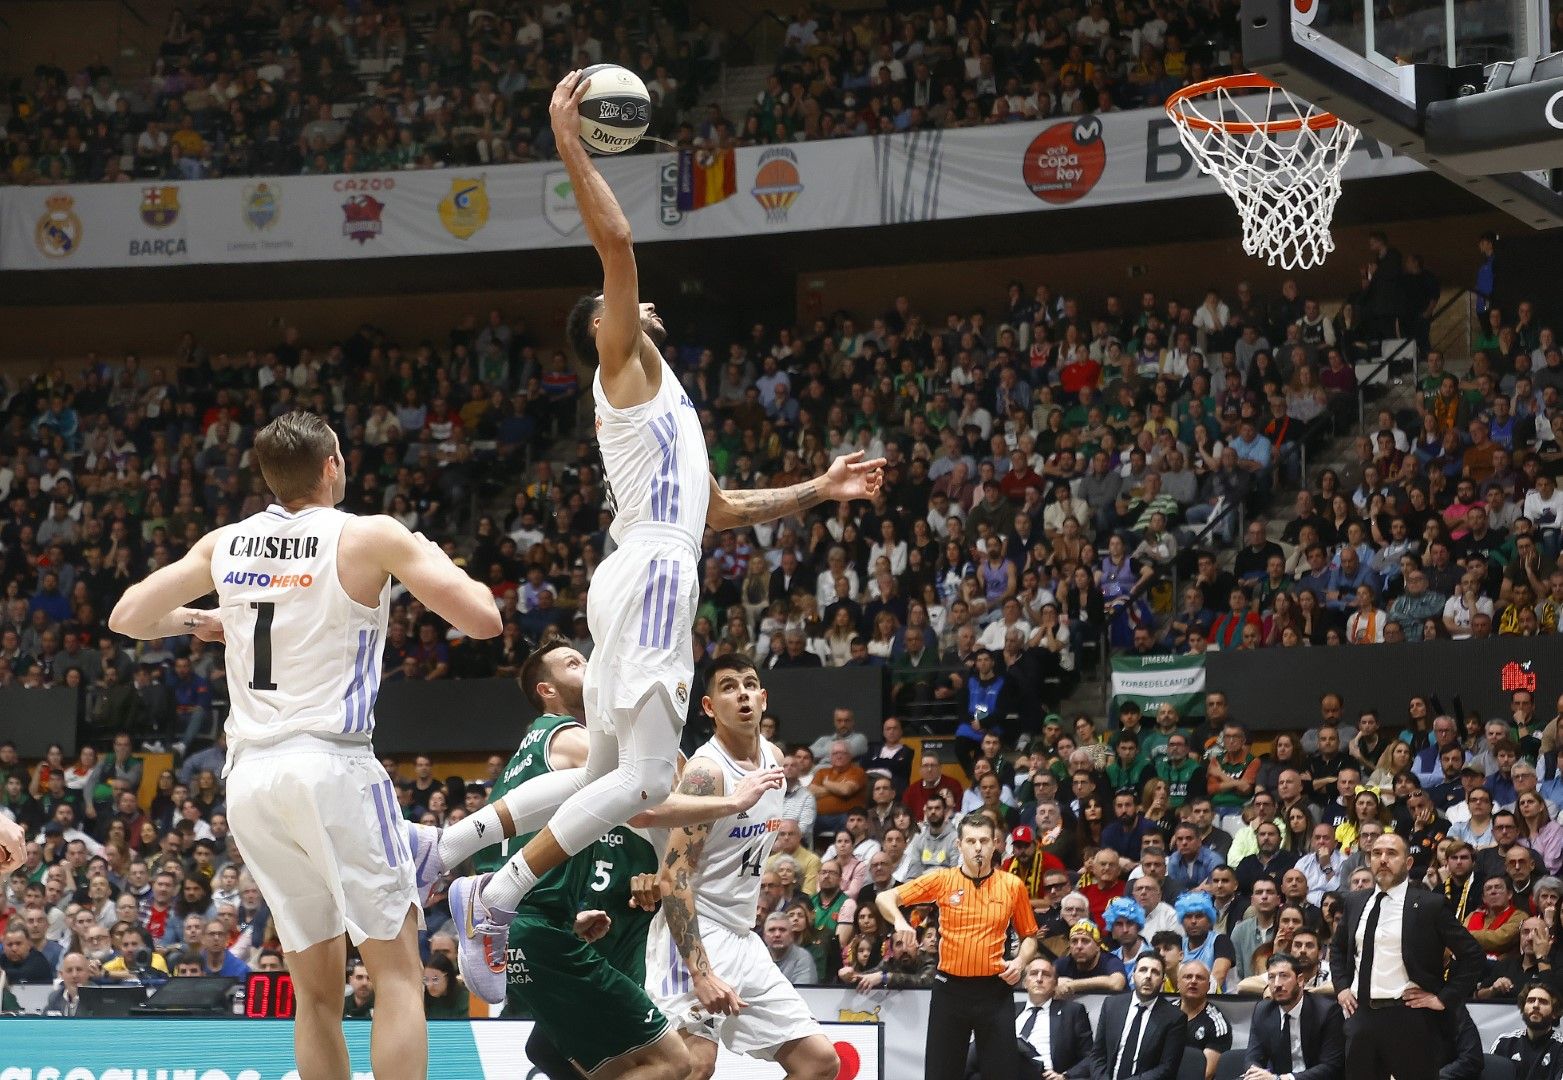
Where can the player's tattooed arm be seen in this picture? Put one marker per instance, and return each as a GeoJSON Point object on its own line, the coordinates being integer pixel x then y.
{"type": "Point", "coordinates": [738, 509]}
{"type": "Point", "coordinates": [685, 846]}
{"type": "Point", "coordinates": [680, 809]}
{"type": "Point", "coordinates": [849, 477]}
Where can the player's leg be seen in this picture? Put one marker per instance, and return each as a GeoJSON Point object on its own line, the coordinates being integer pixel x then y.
{"type": "Point", "coordinates": [275, 816]}
{"type": "Point", "coordinates": [648, 734]}
{"type": "Point", "coordinates": [809, 1058]}
{"type": "Point", "coordinates": [522, 810]}
{"type": "Point", "coordinates": [702, 1056]}
{"type": "Point", "coordinates": [774, 1024]}
{"type": "Point", "coordinates": [665, 1059]}
{"type": "Point", "coordinates": [547, 1058]}
{"type": "Point", "coordinates": [399, 1042]}
{"type": "Point", "coordinates": [318, 1044]}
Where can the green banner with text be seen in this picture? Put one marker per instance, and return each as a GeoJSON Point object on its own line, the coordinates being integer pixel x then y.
{"type": "Point", "coordinates": [1151, 681]}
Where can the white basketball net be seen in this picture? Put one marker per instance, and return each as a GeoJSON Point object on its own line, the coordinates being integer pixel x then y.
{"type": "Point", "coordinates": [1285, 183]}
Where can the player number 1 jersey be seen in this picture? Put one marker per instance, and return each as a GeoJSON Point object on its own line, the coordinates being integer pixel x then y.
{"type": "Point", "coordinates": [302, 655]}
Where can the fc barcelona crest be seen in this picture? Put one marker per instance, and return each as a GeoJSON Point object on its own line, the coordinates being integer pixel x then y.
{"type": "Point", "coordinates": [160, 206]}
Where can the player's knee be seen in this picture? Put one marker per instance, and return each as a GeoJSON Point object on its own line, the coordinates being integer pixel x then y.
{"type": "Point", "coordinates": [701, 1069]}
{"type": "Point", "coordinates": [816, 1060]}
{"type": "Point", "coordinates": [656, 777]}
{"type": "Point", "coordinates": [670, 1060]}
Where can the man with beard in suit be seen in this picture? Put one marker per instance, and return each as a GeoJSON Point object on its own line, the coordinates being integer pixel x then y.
{"type": "Point", "coordinates": [1140, 1035]}
{"type": "Point", "coordinates": [1052, 1037]}
{"type": "Point", "coordinates": [1294, 1035]}
{"type": "Point", "coordinates": [1387, 963]}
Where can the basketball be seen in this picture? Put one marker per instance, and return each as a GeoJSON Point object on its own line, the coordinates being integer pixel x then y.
{"type": "Point", "coordinates": [615, 110]}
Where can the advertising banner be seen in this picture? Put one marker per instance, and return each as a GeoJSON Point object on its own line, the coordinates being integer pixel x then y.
{"type": "Point", "coordinates": [752, 191]}
{"type": "Point", "coordinates": [144, 1047]}
{"type": "Point", "coordinates": [1151, 681]}
{"type": "Point", "coordinates": [1279, 689]}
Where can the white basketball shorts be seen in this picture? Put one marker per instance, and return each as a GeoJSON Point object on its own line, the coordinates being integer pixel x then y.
{"type": "Point", "coordinates": [321, 832]}
{"type": "Point", "coordinates": [775, 1014]}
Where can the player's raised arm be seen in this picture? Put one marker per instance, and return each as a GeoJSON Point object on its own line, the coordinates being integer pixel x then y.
{"type": "Point", "coordinates": [849, 477]}
{"type": "Point", "coordinates": [155, 608]}
{"type": "Point", "coordinates": [618, 334]}
{"type": "Point", "coordinates": [442, 586]}
{"type": "Point", "coordinates": [680, 809]}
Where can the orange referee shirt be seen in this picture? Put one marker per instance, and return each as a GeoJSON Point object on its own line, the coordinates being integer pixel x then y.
{"type": "Point", "coordinates": [974, 917]}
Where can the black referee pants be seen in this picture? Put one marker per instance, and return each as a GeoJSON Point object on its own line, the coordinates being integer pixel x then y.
{"type": "Point", "coordinates": [961, 1008]}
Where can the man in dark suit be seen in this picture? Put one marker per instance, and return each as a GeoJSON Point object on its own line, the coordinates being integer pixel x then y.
{"type": "Point", "coordinates": [1052, 1037]}
{"type": "Point", "coordinates": [1294, 1035]}
{"type": "Point", "coordinates": [785, 578]}
{"type": "Point", "coordinates": [1140, 1035]}
{"type": "Point", "coordinates": [1387, 963]}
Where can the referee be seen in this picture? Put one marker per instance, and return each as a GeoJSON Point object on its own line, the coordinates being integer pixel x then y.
{"type": "Point", "coordinates": [972, 992]}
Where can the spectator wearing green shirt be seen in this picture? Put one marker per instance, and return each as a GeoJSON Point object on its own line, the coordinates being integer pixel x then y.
{"type": "Point", "coordinates": [1231, 776]}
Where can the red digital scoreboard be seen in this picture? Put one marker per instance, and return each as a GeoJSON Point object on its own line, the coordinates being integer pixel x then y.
{"type": "Point", "coordinates": [268, 995]}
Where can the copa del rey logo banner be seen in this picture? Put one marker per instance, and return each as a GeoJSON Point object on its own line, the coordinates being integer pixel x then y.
{"type": "Point", "coordinates": [753, 191]}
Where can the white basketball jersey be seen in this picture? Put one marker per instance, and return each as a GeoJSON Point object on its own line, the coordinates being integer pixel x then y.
{"type": "Point", "coordinates": [727, 881]}
{"type": "Point", "coordinates": [654, 460]}
{"type": "Point", "coordinates": [302, 655]}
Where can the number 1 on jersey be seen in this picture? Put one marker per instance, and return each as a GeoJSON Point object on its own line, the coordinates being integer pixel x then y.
{"type": "Point", "coordinates": [264, 612]}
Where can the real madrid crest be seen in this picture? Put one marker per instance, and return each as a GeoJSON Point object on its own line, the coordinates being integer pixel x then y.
{"type": "Point", "coordinates": [683, 693]}
{"type": "Point", "coordinates": [262, 205]}
{"type": "Point", "coordinates": [957, 896]}
{"type": "Point", "coordinates": [464, 209]}
{"type": "Point", "coordinates": [59, 231]}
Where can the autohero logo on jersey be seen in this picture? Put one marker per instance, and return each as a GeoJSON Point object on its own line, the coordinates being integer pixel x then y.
{"type": "Point", "coordinates": [268, 581]}
{"type": "Point", "coordinates": [757, 828]}
{"type": "Point", "coordinates": [272, 547]}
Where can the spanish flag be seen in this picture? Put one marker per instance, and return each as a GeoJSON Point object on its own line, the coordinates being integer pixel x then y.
{"type": "Point", "coordinates": [705, 177]}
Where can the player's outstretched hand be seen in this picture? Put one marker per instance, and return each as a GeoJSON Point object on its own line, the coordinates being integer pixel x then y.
{"type": "Point", "coordinates": [592, 925]}
{"type": "Point", "coordinates": [717, 997]}
{"type": "Point", "coordinates": [645, 892]}
{"type": "Point", "coordinates": [13, 847]}
{"type": "Point", "coordinates": [751, 787]}
{"type": "Point", "coordinates": [564, 107]}
{"type": "Point", "coordinates": [850, 477]}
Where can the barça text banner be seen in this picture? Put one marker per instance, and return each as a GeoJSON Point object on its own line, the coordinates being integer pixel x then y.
{"type": "Point", "coordinates": [754, 191]}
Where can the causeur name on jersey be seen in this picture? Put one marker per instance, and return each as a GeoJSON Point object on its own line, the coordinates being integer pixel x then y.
{"type": "Point", "coordinates": [275, 547]}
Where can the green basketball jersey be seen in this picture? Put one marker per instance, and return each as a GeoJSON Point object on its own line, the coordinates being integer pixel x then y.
{"type": "Point", "coordinates": [598, 877]}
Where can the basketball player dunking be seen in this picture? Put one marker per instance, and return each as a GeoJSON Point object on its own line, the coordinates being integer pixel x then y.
{"type": "Point", "coordinates": [302, 593]}
{"type": "Point", "coordinates": [640, 678]}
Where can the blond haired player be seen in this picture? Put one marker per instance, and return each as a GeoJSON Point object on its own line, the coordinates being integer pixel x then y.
{"type": "Point", "coordinates": [302, 591]}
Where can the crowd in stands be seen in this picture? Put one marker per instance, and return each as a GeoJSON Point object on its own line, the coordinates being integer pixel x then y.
{"type": "Point", "coordinates": [1047, 467]}
{"type": "Point", "coordinates": [964, 65]}
{"type": "Point", "coordinates": [262, 88]}
{"type": "Point", "coordinates": [265, 88]}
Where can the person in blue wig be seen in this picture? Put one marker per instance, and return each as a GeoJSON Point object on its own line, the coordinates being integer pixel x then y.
{"type": "Point", "coordinates": [1197, 915]}
{"type": "Point", "coordinates": [1125, 921]}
